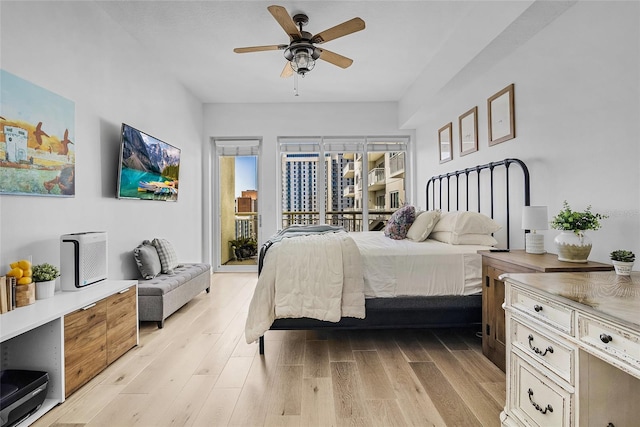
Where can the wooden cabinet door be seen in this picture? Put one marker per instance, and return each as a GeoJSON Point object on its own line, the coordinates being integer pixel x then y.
{"type": "Point", "coordinates": [122, 323]}
{"type": "Point", "coordinates": [85, 345]}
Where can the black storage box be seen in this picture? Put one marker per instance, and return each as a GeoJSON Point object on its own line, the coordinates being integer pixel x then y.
{"type": "Point", "coordinates": [21, 394]}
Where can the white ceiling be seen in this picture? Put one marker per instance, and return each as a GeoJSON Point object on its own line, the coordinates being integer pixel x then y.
{"type": "Point", "coordinates": [402, 40]}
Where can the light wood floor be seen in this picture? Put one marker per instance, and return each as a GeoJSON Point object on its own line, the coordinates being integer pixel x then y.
{"type": "Point", "coordinates": [198, 371]}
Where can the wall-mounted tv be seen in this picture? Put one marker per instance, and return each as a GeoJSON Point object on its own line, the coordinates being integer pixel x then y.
{"type": "Point", "coordinates": [149, 167]}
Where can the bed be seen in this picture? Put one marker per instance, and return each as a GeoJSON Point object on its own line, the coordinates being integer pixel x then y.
{"type": "Point", "coordinates": [390, 274]}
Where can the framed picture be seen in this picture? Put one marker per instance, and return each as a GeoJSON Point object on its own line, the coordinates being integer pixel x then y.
{"type": "Point", "coordinates": [468, 125]}
{"type": "Point", "coordinates": [37, 140]}
{"type": "Point", "coordinates": [502, 121]}
{"type": "Point", "coordinates": [444, 142]}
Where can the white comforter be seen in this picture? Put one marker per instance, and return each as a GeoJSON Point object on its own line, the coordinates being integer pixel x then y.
{"type": "Point", "coordinates": [316, 276]}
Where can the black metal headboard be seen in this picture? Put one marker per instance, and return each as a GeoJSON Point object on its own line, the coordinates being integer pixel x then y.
{"type": "Point", "coordinates": [441, 179]}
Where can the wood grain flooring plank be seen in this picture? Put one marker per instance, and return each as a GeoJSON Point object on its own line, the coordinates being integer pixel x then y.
{"type": "Point", "coordinates": [479, 366]}
{"type": "Point", "coordinates": [373, 377]}
{"type": "Point", "coordinates": [474, 396]}
{"type": "Point", "coordinates": [385, 413]}
{"type": "Point", "coordinates": [285, 395]}
{"type": "Point", "coordinates": [316, 360]}
{"type": "Point", "coordinates": [340, 347]}
{"type": "Point", "coordinates": [497, 391]}
{"type": "Point", "coordinates": [413, 400]}
{"type": "Point", "coordinates": [410, 346]}
{"type": "Point", "coordinates": [292, 351]}
{"type": "Point", "coordinates": [317, 402]}
{"type": "Point", "coordinates": [450, 405]}
{"type": "Point", "coordinates": [217, 408]}
{"type": "Point", "coordinates": [348, 398]}
{"type": "Point", "coordinates": [363, 340]}
{"type": "Point", "coordinates": [184, 410]}
{"type": "Point", "coordinates": [234, 373]}
{"type": "Point", "coordinates": [451, 339]}
{"type": "Point", "coordinates": [251, 406]}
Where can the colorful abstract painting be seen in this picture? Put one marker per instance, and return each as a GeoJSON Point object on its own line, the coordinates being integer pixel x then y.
{"type": "Point", "coordinates": [37, 140]}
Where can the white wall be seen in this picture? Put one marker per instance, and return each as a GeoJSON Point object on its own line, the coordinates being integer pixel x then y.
{"type": "Point", "coordinates": [577, 109]}
{"type": "Point", "coordinates": [270, 121]}
{"type": "Point", "coordinates": [76, 51]}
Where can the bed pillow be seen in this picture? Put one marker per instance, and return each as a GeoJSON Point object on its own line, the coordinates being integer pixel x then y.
{"type": "Point", "coordinates": [399, 223]}
{"type": "Point", "coordinates": [147, 259]}
{"type": "Point", "coordinates": [423, 225]}
{"type": "Point", "coordinates": [465, 222]}
{"type": "Point", "coordinates": [168, 257]}
{"type": "Point", "coordinates": [463, 239]}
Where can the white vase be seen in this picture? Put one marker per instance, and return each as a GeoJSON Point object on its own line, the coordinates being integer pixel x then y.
{"type": "Point", "coordinates": [46, 289]}
{"type": "Point", "coordinates": [623, 268]}
{"type": "Point", "coordinates": [573, 247]}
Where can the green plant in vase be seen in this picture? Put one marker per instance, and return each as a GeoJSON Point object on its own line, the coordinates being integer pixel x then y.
{"type": "Point", "coordinates": [622, 261]}
{"type": "Point", "coordinates": [44, 272]}
{"type": "Point", "coordinates": [573, 244]}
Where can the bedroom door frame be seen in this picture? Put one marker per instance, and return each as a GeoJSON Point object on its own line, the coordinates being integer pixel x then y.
{"type": "Point", "coordinates": [232, 147]}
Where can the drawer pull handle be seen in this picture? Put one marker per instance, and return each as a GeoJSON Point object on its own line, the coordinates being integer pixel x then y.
{"type": "Point", "coordinates": [89, 306]}
{"type": "Point", "coordinates": [605, 338]}
{"type": "Point", "coordinates": [537, 308]}
{"type": "Point", "coordinates": [537, 350]}
{"type": "Point", "coordinates": [538, 407]}
{"type": "Point", "coordinates": [124, 290]}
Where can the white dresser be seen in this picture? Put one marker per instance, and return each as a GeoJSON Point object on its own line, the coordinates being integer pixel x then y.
{"type": "Point", "coordinates": [573, 349]}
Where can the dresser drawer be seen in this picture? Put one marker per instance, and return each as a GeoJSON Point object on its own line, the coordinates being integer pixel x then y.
{"type": "Point", "coordinates": [553, 314]}
{"type": "Point", "coordinates": [615, 341]}
{"type": "Point", "coordinates": [536, 399]}
{"type": "Point", "coordinates": [555, 356]}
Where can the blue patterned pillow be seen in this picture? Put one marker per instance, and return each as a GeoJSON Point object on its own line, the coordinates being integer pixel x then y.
{"type": "Point", "coordinates": [399, 223]}
{"type": "Point", "coordinates": [168, 257]}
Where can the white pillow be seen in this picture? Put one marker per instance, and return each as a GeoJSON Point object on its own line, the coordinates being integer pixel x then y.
{"type": "Point", "coordinates": [463, 239]}
{"type": "Point", "coordinates": [423, 225]}
{"type": "Point", "coordinates": [465, 222]}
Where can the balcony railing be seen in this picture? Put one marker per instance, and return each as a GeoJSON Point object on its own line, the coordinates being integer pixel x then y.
{"type": "Point", "coordinates": [376, 178]}
{"type": "Point", "coordinates": [350, 220]}
{"type": "Point", "coordinates": [349, 191]}
{"type": "Point", "coordinates": [396, 164]}
{"type": "Point", "coordinates": [349, 170]}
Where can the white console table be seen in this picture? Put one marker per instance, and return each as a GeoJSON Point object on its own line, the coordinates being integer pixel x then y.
{"type": "Point", "coordinates": [32, 337]}
{"type": "Point", "coordinates": [573, 349]}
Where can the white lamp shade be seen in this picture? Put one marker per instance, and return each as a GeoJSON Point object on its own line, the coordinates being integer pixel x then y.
{"type": "Point", "coordinates": [535, 218]}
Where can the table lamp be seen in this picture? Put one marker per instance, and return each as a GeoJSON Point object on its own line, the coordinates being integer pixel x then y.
{"type": "Point", "coordinates": [534, 218]}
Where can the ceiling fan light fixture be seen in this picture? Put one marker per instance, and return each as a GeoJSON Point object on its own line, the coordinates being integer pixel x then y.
{"type": "Point", "coordinates": [303, 61]}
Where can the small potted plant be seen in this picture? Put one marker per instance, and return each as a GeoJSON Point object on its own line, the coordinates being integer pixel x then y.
{"type": "Point", "coordinates": [573, 244]}
{"type": "Point", "coordinates": [622, 261]}
{"type": "Point", "coordinates": [45, 277]}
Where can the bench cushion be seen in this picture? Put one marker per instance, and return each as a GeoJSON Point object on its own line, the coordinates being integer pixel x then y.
{"type": "Point", "coordinates": [165, 283]}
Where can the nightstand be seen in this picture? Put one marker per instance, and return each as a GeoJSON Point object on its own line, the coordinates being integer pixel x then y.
{"type": "Point", "coordinates": [516, 261]}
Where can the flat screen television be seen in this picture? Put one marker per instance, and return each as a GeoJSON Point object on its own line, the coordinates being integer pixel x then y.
{"type": "Point", "coordinates": [149, 168]}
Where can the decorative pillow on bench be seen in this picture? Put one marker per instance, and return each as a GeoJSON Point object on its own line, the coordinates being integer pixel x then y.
{"type": "Point", "coordinates": [147, 259]}
{"type": "Point", "coordinates": [168, 257]}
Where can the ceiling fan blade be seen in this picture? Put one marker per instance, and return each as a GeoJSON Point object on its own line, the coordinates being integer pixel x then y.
{"type": "Point", "coordinates": [287, 71]}
{"type": "Point", "coordinates": [282, 16]}
{"type": "Point", "coordinates": [260, 48]}
{"type": "Point", "coordinates": [334, 58]}
{"type": "Point", "coordinates": [348, 27]}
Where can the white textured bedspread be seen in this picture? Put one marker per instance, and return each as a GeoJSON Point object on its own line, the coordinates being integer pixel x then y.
{"type": "Point", "coordinates": [315, 276]}
{"type": "Point", "coordinates": [407, 268]}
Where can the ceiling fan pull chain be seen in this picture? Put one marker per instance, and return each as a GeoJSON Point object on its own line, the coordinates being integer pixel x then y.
{"type": "Point", "coordinates": [295, 84]}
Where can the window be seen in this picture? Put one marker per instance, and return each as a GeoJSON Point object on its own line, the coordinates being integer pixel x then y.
{"type": "Point", "coordinates": [349, 181]}
{"type": "Point", "coordinates": [395, 199]}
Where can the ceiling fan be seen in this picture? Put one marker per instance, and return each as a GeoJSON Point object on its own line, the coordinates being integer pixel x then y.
{"type": "Point", "coordinates": [301, 53]}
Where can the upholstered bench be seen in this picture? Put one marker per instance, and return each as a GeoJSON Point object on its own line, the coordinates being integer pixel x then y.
{"type": "Point", "coordinates": [166, 285]}
{"type": "Point", "coordinates": [161, 296]}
